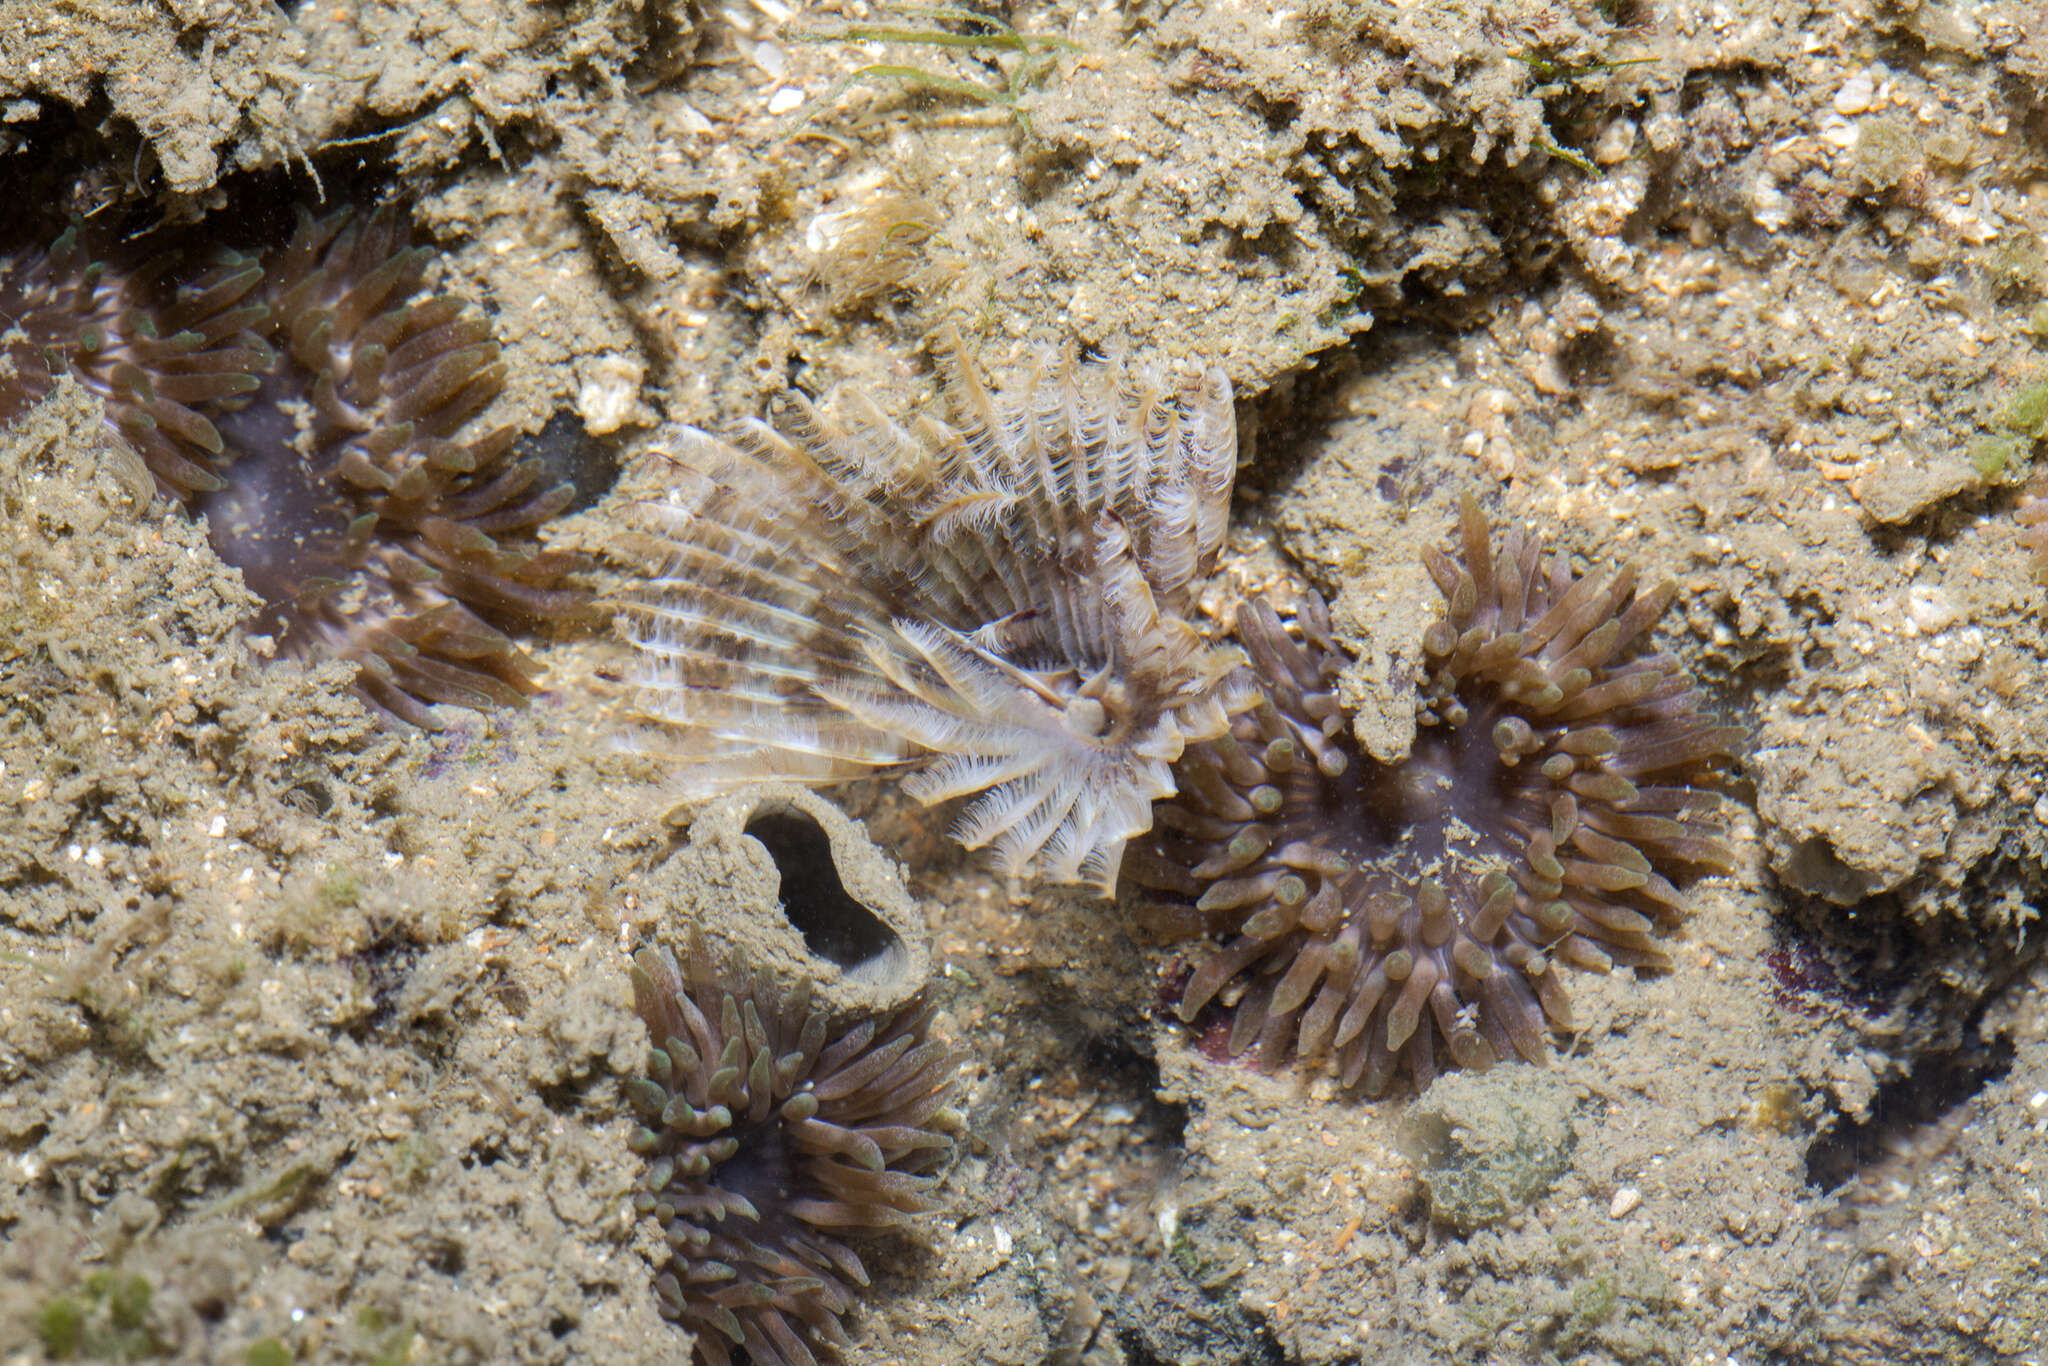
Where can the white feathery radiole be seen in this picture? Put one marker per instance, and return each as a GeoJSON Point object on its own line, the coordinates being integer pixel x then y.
{"type": "Point", "coordinates": [995, 606]}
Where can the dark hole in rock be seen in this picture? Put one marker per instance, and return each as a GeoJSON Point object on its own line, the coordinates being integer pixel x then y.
{"type": "Point", "coordinates": [1907, 1116]}
{"type": "Point", "coordinates": [311, 797]}
{"type": "Point", "coordinates": [1589, 358]}
{"type": "Point", "coordinates": [570, 455]}
{"type": "Point", "coordinates": [447, 1257]}
{"type": "Point", "coordinates": [834, 925]}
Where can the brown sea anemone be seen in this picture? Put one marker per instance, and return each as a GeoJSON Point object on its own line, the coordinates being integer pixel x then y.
{"type": "Point", "coordinates": [774, 1139]}
{"type": "Point", "coordinates": [310, 406]}
{"type": "Point", "coordinates": [1370, 914]}
{"type": "Point", "coordinates": [995, 606]}
{"type": "Point", "coordinates": [163, 340]}
{"type": "Point", "coordinates": [371, 531]}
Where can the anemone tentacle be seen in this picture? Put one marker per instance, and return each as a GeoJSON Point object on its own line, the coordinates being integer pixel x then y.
{"type": "Point", "coordinates": [164, 340]}
{"type": "Point", "coordinates": [313, 404]}
{"type": "Point", "coordinates": [374, 530]}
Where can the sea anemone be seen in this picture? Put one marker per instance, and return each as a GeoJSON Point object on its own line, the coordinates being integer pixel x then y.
{"type": "Point", "coordinates": [371, 532]}
{"type": "Point", "coordinates": [996, 606]}
{"type": "Point", "coordinates": [771, 1138]}
{"type": "Point", "coordinates": [162, 345]}
{"type": "Point", "coordinates": [1562, 775]}
{"type": "Point", "coordinates": [309, 406]}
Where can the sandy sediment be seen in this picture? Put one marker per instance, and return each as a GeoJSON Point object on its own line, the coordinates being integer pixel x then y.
{"type": "Point", "coordinates": [312, 1032]}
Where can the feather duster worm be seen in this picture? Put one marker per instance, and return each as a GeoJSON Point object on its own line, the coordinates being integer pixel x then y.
{"type": "Point", "coordinates": [309, 405]}
{"type": "Point", "coordinates": [771, 1139]}
{"type": "Point", "coordinates": [1373, 914]}
{"type": "Point", "coordinates": [997, 605]}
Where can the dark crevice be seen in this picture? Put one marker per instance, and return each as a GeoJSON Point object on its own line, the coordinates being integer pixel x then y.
{"type": "Point", "coordinates": [446, 1256]}
{"type": "Point", "coordinates": [504, 912]}
{"type": "Point", "coordinates": [1137, 1353]}
{"type": "Point", "coordinates": [835, 926]}
{"type": "Point", "coordinates": [382, 969]}
{"type": "Point", "coordinates": [1127, 1071]}
{"type": "Point", "coordinates": [1884, 962]}
{"type": "Point", "coordinates": [1936, 1085]}
{"type": "Point", "coordinates": [567, 1097]}
{"type": "Point", "coordinates": [568, 454]}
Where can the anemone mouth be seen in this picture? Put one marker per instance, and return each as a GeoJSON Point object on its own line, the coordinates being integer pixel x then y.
{"type": "Point", "coordinates": [774, 1142]}
{"type": "Point", "coordinates": [1380, 917]}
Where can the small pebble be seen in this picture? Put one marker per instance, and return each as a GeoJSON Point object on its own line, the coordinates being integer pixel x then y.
{"type": "Point", "coordinates": [1768, 205]}
{"type": "Point", "coordinates": [610, 393]}
{"type": "Point", "coordinates": [1614, 143]}
{"type": "Point", "coordinates": [769, 58]}
{"type": "Point", "coordinates": [1856, 94]}
{"type": "Point", "coordinates": [1837, 131]}
{"type": "Point", "coordinates": [1929, 608]}
{"type": "Point", "coordinates": [1625, 1200]}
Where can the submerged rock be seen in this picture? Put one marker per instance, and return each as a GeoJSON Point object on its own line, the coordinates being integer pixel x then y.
{"type": "Point", "coordinates": [1487, 1145]}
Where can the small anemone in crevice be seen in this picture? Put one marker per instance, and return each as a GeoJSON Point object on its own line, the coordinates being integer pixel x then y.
{"type": "Point", "coordinates": [995, 607]}
{"type": "Point", "coordinates": [1374, 917]}
{"type": "Point", "coordinates": [776, 1141]}
{"type": "Point", "coordinates": [310, 402]}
